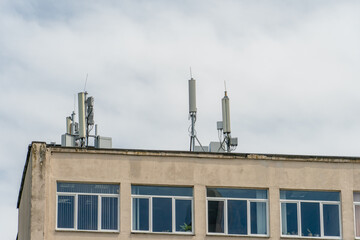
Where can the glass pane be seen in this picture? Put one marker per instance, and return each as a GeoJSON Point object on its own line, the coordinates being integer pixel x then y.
{"type": "Point", "coordinates": [141, 214]}
{"type": "Point", "coordinates": [258, 218]}
{"type": "Point", "coordinates": [331, 220]}
{"type": "Point", "coordinates": [162, 191]}
{"type": "Point", "coordinates": [289, 219]}
{"type": "Point", "coordinates": [310, 195]}
{"type": "Point", "coordinates": [237, 217]}
{"type": "Point", "coordinates": [162, 214]}
{"type": "Point", "coordinates": [87, 212]}
{"type": "Point", "coordinates": [356, 197]}
{"type": "Point", "coordinates": [310, 219]}
{"type": "Point", "coordinates": [65, 218]}
{"type": "Point", "coordinates": [183, 215]}
{"type": "Point", "coordinates": [216, 216]}
{"type": "Point", "coordinates": [357, 220]}
{"type": "Point", "coordinates": [109, 213]}
{"type": "Point", "coordinates": [87, 188]}
{"type": "Point", "coordinates": [237, 193]}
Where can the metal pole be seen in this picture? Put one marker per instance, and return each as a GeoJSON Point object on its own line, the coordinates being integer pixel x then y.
{"type": "Point", "coordinates": [192, 134]}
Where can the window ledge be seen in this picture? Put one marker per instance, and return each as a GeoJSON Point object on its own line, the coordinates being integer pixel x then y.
{"type": "Point", "coordinates": [237, 236]}
{"type": "Point", "coordinates": [87, 231]}
{"type": "Point", "coordinates": [164, 233]}
{"type": "Point", "coordinates": [302, 238]}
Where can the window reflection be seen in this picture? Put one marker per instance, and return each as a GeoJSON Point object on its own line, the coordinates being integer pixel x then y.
{"type": "Point", "coordinates": [170, 208]}
{"type": "Point", "coordinates": [216, 216]}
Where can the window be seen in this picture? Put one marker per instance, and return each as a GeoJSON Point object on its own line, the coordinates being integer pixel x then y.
{"type": "Point", "coordinates": [162, 209]}
{"type": "Point", "coordinates": [237, 211]}
{"type": "Point", "coordinates": [357, 214]}
{"type": "Point", "coordinates": [310, 214]}
{"type": "Point", "coordinates": [88, 207]}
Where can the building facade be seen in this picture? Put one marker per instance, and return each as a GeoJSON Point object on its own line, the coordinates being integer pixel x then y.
{"type": "Point", "coordinates": [87, 193]}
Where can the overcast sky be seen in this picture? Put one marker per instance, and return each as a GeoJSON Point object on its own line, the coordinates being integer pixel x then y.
{"type": "Point", "coordinates": [291, 69]}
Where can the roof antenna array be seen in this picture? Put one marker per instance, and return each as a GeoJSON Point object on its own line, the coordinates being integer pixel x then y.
{"type": "Point", "coordinates": [78, 134]}
{"type": "Point", "coordinates": [226, 142]}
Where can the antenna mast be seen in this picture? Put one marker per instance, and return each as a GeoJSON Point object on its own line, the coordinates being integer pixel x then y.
{"type": "Point", "coordinates": [228, 144]}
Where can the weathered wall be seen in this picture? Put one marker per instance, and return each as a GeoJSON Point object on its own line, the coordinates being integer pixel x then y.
{"type": "Point", "coordinates": [38, 196]}
{"type": "Point", "coordinates": [25, 206]}
{"type": "Point", "coordinates": [199, 172]}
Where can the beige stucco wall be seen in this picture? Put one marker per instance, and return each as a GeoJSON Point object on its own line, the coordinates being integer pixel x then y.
{"type": "Point", "coordinates": [199, 171]}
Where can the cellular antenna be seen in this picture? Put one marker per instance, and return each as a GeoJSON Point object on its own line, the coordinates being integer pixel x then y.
{"type": "Point", "coordinates": [192, 113]}
{"type": "Point", "coordinates": [227, 143]}
{"type": "Point", "coordinates": [78, 134]}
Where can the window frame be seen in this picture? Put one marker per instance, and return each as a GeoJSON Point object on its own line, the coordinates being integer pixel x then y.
{"type": "Point", "coordinates": [76, 196]}
{"type": "Point", "coordinates": [248, 215]}
{"type": "Point", "coordinates": [321, 216]}
{"type": "Point", "coordinates": [355, 203]}
{"type": "Point", "coordinates": [173, 212]}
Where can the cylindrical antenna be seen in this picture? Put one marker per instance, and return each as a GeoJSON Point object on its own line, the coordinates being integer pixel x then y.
{"type": "Point", "coordinates": [68, 125]}
{"type": "Point", "coordinates": [192, 96]}
{"type": "Point", "coordinates": [226, 114]}
{"type": "Point", "coordinates": [82, 122]}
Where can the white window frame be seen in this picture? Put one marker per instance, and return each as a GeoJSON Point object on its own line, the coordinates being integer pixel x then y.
{"type": "Point", "coordinates": [248, 203]}
{"type": "Point", "coordinates": [173, 212]}
{"type": "Point", "coordinates": [298, 211]}
{"type": "Point", "coordinates": [354, 205]}
{"type": "Point", "coordinates": [76, 195]}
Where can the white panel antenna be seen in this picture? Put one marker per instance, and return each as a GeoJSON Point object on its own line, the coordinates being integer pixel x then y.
{"type": "Point", "coordinates": [68, 125]}
{"type": "Point", "coordinates": [82, 122]}
{"type": "Point", "coordinates": [192, 113]}
{"type": "Point", "coordinates": [226, 113]}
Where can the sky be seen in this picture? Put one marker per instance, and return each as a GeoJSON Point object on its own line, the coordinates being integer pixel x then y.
{"type": "Point", "coordinates": [291, 70]}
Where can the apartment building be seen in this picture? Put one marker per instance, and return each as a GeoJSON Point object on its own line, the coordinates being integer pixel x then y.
{"type": "Point", "coordinates": [89, 193]}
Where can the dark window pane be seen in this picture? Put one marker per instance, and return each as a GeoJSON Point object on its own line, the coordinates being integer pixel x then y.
{"type": "Point", "coordinates": [356, 196]}
{"type": "Point", "coordinates": [65, 218]}
{"type": "Point", "coordinates": [258, 218]}
{"type": "Point", "coordinates": [289, 219]}
{"type": "Point", "coordinates": [87, 212]}
{"type": "Point", "coordinates": [216, 216]}
{"type": "Point", "coordinates": [161, 191]}
{"type": "Point", "coordinates": [141, 214]}
{"type": "Point", "coordinates": [183, 215]}
{"type": "Point", "coordinates": [331, 220]}
{"type": "Point", "coordinates": [162, 214]}
{"type": "Point", "coordinates": [237, 217]}
{"type": "Point", "coordinates": [310, 195]}
{"type": "Point", "coordinates": [109, 213]}
{"type": "Point", "coordinates": [310, 219]}
{"type": "Point", "coordinates": [237, 193]}
{"type": "Point", "coordinates": [357, 220]}
{"type": "Point", "coordinates": [87, 188]}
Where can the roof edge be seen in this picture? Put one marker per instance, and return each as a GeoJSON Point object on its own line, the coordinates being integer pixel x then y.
{"type": "Point", "coordinates": [175, 153]}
